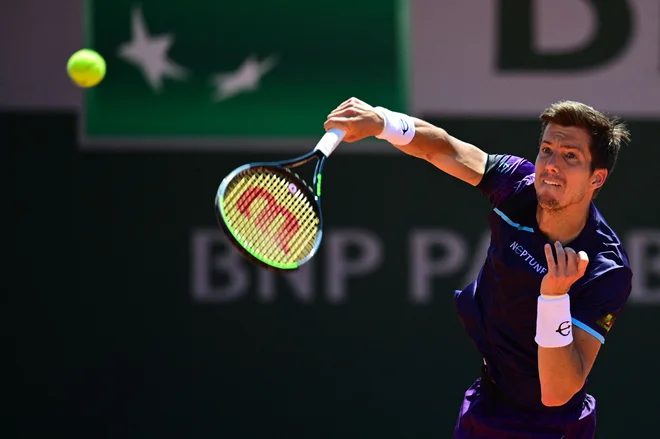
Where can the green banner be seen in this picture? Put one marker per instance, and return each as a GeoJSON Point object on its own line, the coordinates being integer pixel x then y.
{"type": "Point", "coordinates": [240, 71]}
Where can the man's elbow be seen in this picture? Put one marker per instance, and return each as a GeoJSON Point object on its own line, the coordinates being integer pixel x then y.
{"type": "Point", "coordinates": [553, 400]}
{"type": "Point", "coordinates": [557, 397]}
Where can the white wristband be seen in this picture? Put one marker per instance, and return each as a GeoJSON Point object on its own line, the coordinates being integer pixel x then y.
{"type": "Point", "coordinates": [553, 321]}
{"type": "Point", "coordinates": [399, 128]}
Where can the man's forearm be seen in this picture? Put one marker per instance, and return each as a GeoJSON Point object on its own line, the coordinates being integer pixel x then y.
{"type": "Point", "coordinates": [453, 156]}
{"type": "Point", "coordinates": [562, 374]}
{"type": "Point", "coordinates": [429, 140]}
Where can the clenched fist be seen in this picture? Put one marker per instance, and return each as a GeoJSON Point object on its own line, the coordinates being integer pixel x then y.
{"type": "Point", "coordinates": [357, 118]}
{"type": "Point", "coordinates": [562, 273]}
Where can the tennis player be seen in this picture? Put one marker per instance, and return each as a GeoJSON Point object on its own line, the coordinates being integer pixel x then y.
{"type": "Point", "coordinates": [556, 276]}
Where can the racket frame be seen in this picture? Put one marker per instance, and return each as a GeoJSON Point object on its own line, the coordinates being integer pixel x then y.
{"type": "Point", "coordinates": [312, 194]}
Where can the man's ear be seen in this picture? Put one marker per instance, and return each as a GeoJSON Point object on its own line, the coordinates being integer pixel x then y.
{"type": "Point", "coordinates": [598, 178]}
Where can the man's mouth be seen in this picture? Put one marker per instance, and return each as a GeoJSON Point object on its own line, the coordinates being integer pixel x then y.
{"type": "Point", "coordinates": [551, 182]}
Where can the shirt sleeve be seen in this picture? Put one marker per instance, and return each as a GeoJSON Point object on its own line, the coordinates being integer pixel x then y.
{"type": "Point", "coordinates": [504, 176]}
{"type": "Point", "coordinates": [597, 305]}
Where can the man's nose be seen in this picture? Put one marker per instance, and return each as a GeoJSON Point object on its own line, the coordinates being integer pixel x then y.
{"type": "Point", "coordinates": [553, 163]}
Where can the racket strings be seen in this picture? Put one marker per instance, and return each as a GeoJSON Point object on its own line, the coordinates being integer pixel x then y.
{"type": "Point", "coordinates": [297, 204]}
{"type": "Point", "coordinates": [294, 206]}
{"type": "Point", "coordinates": [271, 216]}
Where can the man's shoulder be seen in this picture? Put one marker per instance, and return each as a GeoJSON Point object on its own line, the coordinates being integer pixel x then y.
{"type": "Point", "coordinates": [603, 236]}
{"type": "Point", "coordinates": [606, 251]}
{"type": "Point", "coordinates": [504, 176]}
{"type": "Point", "coordinates": [608, 263]}
{"type": "Point", "coordinates": [509, 165]}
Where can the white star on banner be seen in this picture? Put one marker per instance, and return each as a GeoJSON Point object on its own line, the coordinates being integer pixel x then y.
{"type": "Point", "coordinates": [149, 53]}
{"type": "Point", "coordinates": [246, 78]}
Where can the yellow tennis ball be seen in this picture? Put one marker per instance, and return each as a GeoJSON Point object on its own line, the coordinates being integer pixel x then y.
{"type": "Point", "coordinates": [86, 68]}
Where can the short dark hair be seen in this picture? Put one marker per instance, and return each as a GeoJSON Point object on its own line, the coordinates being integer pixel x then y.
{"type": "Point", "coordinates": [607, 132]}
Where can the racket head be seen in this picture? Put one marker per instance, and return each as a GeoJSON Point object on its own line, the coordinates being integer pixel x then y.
{"type": "Point", "coordinates": [270, 215]}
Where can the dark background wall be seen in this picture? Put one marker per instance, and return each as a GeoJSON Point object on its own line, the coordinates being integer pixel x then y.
{"type": "Point", "coordinates": [131, 318]}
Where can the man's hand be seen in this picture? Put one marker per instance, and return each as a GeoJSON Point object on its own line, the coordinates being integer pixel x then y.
{"type": "Point", "coordinates": [568, 268]}
{"type": "Point", "coordinates": [358, 119]}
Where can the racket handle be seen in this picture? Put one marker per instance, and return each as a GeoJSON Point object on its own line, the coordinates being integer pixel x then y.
{"type": "Point", "coordinates": [329, 141]}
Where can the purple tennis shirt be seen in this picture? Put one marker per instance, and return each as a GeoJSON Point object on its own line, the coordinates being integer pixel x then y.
{"type": "Point", "coordinates": [498, 309]}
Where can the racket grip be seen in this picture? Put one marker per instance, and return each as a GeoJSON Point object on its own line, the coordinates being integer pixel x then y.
{"type": "Point", "coordinates": [329, 141]}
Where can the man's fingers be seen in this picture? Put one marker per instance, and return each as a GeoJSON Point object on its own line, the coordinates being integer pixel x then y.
{"type": "Point", "coordinates": [351, 102]}
{"type": "Point", "coordinates": [561, 259]}
{"type": "Point", "coordinates": [552, 266]}
{"type": "Point", "coordinates": [343, 105]}
{"type": "Point", "coordinates": [344, 124]}
{"type": "Point", "coordinates": [336, 122]}
{"type": "Point", "coordinates": [338, 110]}
{"type": "Point", "coordinates": [571, 261]}
{"type": "Point", "coordinates": [343, 112]}
{"type": "Point", "coordinates": [582, 262]}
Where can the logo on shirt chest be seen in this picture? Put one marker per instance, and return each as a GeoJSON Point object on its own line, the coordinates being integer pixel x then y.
{"type": "Point", "coordinates": [520, 251]}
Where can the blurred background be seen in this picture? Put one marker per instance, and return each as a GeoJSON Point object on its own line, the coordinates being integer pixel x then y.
{"type": "Point", "coordinates": [132, 318]}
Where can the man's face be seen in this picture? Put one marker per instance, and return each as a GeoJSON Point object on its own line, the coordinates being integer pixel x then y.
{"type": "Point", "coordinates": [563, 168]}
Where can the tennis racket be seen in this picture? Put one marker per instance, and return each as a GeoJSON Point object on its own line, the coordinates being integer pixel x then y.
{"type": "Point", "coordinates": [270, 214]}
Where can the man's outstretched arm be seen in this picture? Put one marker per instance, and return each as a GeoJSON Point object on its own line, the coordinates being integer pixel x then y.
{"type": "Point", "coordinates": [422, 140]}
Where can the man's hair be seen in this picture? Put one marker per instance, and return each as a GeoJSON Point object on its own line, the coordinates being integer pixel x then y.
{"type": "Point", "coordinates": [607, 133]}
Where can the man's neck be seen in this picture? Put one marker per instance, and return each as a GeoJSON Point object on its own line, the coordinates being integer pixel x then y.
{"type": "Point", "coordinates": [563, 225]}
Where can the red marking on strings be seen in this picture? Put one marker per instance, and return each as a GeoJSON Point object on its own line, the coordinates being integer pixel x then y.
{"type": "Point", "coordinates": [267, 216]}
